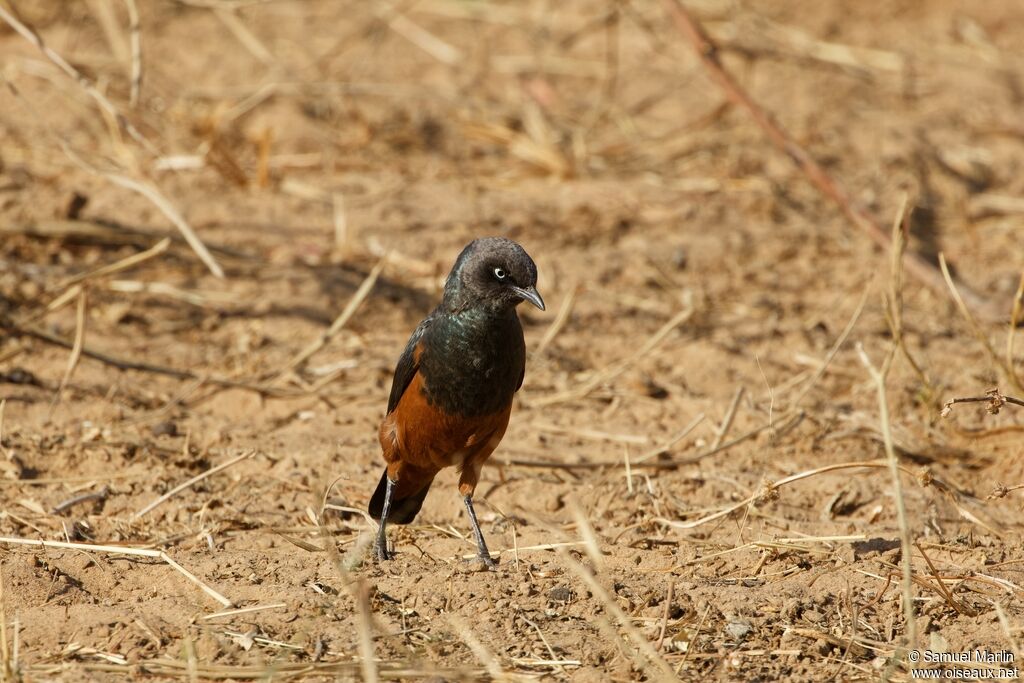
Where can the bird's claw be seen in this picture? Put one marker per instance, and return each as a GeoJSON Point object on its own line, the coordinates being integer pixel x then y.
{"type": "Point", "coordinates": [380, 551]}
{"type": "Point", "coordinates": [482, 563]}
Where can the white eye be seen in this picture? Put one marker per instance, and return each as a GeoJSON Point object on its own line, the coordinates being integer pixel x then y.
{"type": "Point", "coordinates": [500, 273]}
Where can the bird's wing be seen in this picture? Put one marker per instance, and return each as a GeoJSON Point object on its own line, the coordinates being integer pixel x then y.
{"type": "Point", "coordinates": [408, 364]}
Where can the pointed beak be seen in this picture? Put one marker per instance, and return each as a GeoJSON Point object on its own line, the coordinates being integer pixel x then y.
{"type": "Point", "coordinates": [530, 294]}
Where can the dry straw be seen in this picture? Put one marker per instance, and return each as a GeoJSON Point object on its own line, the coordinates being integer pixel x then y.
{"type": "Point", "coordinates": [122, 550]}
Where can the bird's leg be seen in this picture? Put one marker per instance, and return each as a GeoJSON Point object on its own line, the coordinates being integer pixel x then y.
{"type": "Point", "coordinates": [484, 554]}
{"type": "Point", "coordinates": [380, 547]}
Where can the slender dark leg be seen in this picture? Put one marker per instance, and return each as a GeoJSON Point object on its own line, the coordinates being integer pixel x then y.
{"type": "Point", "coordinates": [485, 555]}
{"type": "Point", "coordinates": [380, 547]}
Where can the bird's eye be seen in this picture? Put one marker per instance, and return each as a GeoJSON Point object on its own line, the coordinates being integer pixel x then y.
{"type": "Point", "coordinates": [500, 273]}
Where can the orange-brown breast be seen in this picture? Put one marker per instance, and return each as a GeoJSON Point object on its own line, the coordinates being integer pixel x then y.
{"type": "Point", "coordinates": [419, 434]}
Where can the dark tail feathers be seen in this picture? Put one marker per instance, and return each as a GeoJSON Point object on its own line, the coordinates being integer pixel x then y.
{"type": "Point", "coordinates": [404, 504]}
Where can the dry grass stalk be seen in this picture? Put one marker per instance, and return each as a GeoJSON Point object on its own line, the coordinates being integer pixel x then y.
{"type": "Point", "coordinates": [708, 53]}
{"type": "Point", "coordinates": [494, 668]}
{"type": "Point", "coordinates": [836, 346]}
{"type": "Point", "coordinates": [106, 17]}
{"type": "Point", "coordinates": [672, 441]}
{"type": "Point", "coordinates": [365, 623]}
{"type": "Point", "coordinates": [1015, 318]}
{"type": "Point", "coordinates": [143, 187]}
{"type": "Point", "coordinates": [10, 669]}
{"type": "Point", "coordinates": [894, 299]}
{"type": "Point", "coordinates": [191, 297]}
{"type": "Point", "coordinates": [587, 433]}
{"type": "Point", "coordinates": [664, 615]}
{"type": "Point", "coordinates": [135, 38]}
{"type": "Point", "coordinates": [339, 217]}
{"type": "Point", "coordinates": [244, 36]}
{"type": "Point", "coordinates": [122, 550]}
{"type": "Point", "coordinates": [161, 202]}
{"type": "Point", "coordinates": [1004, 623]}
{"type": "Point", "coordinates": [851, 56]}
{"type": "Point", "coordinates": [106, 106]}
{"type": "Point", "coordinates": [587, 533]}
{"type": "Point", "coordinates": [118, 266]}
{"type": "Point", "coordinates": [76, 351]}
{"type": "Point", "coordinates": [526, 548]}
{"type": "Point", "coordinates": [730, 415]}
{"type": "Point", "coordinates": [788, 422]}
{"type": "Point", "coordinates": [562, 317]}
{"type": "Point", "coordinates": [897, 490]}
{"type": "Point", "coordinates": [612, 371]}
{"type": "Point", "coordinates": [654, 664]}
{"type": "Point", "coordinates": [353, 305]}
{"type": "Point", "coordinates": [979, 333]}
{"type": "Point", "coordinates": [243, 610]}
{"type": "Point", "coordinates": [555, 662]}
{"type": "Point", "coordinates": [177, 668]}
{"type": "Point", "coordinates": [191, 482]}
{"type": "Point", "coordinates": [950, 600]}
{"type": "Point", "coordinates": [440, 50]}
{"type": "Point", "coordinates": [769, 489]}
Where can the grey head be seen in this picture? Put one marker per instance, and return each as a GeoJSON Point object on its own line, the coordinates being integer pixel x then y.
{"type": "Point", "coordinates": [492, 273]}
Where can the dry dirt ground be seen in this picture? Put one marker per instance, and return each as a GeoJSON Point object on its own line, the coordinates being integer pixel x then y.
{"type": "Point", "coordinates": [690, 270]}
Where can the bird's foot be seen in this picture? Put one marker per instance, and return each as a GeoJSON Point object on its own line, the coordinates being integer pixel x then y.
{"type": "Point", "coordinates": [481, 563]}
{"type": "Point", "coordinates": [380, 550]}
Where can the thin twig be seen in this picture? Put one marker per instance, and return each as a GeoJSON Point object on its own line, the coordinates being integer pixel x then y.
{"type": "Point", "coordinates": [199, 477]}
{"type": "Point", "coordinates": [664, 615]}
{"type": "Point", "coordinates": [562, 317]}
{"type": "Point", "coordinates": [244, 610]}
{"type": "Point", "coordinates": [365, 623]}
{"type": "Point", "coordinates": [647, 651]}
{"type": "Point", "coordinates": [897, 491]}
{"type": "Point", "coordinates": [955, 604]}
{"type": "Point", "coordinates": [353, 304]}
{"type": "Point", "coordinates": [672, 441]}
{"type": "Point", "coordinates": [840, 340]}
{"type": "Point", "coordinates": [118, 266]}
{"type": "Point", "coordinates": [492, 665]}
{"type": "Point", "coordinates": [769, 489]}
{"type": "Point", "coordinates": [161, 202]}
{"type": "Point", "coordinates": [76, 351]}
{"type": "Point", "coordinates": [730, 415]}
{"type": "Point", "coordinates": [976, 328]}
{"type": "Point", "coordinates": [612, 371]}
{"type": "Point", "coordinates": [993, 397]}
{"type": "Point", "coordinates": [122, 550]}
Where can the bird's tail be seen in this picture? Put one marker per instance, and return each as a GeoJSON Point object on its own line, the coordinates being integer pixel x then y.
{"type": "Point", "coordinates": [407, 498]}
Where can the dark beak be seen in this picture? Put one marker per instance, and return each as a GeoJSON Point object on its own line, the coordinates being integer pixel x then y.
{"type": "Point", "coordinates": [530, 294]}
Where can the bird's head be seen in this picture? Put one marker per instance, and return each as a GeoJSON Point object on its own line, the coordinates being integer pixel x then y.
{"type": "Point", "coordinates": [493, 273]}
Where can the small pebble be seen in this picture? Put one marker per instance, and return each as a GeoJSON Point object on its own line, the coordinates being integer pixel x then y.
{"type": "Point", "coordinates": [560, 594]}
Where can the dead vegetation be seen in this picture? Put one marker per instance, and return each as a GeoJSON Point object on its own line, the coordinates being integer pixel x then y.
{"type": "Point", "coordinates": [219, 220]}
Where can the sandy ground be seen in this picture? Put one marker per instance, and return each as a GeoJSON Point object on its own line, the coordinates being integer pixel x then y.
{"type": "Point", "coordinates": [689, 268]}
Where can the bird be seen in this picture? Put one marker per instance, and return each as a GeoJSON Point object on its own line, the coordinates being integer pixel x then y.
{"type": "Point", "coordinates": [451, 395]}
